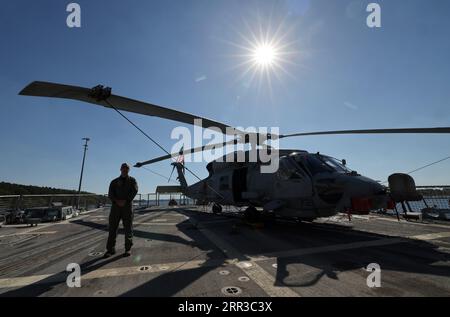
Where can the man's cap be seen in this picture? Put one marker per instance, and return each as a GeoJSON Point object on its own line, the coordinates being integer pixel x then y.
{"type": "Point", "coordinates": [124, 165]}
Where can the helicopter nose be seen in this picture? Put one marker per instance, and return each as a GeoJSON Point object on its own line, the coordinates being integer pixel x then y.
{"type": "Point", "coordinates": [361, 194]}
{"type": "Point", "coordinates": [361, 186]}
{"type": "Point", "coordinates": [346, 191]}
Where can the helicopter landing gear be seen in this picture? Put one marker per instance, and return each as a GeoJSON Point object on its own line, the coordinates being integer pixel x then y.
{"type": "Point", "coordinates": [269, 218]}
{"type": "Point", "coordinates": [251, 214]}
{"type": "Point", "coordinates": [216, 208]}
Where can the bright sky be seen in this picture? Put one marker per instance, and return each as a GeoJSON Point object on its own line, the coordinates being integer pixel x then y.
{"type": "Point", "coordinates": [332, 72]}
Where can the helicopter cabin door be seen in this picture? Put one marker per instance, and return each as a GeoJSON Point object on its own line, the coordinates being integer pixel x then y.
{"type": "Point", "coordinates": [239, 183]}
{"type": "Point", "coordinates": [293, 186]}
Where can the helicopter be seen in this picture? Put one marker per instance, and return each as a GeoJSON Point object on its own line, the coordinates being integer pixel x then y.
{"type": "Point", "coordinates": [305, 186]}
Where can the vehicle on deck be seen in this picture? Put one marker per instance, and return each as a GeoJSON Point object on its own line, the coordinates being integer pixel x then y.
{"type": "Point", "coordinates": [34, 216]}
{"type": "Point", "coordinates": [46, 214]}
{"type": "Point", "coordinates": [67, 212]}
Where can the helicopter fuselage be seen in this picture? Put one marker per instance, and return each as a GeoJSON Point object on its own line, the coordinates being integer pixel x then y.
{"type": "Point", "coordinates": [305, 186]}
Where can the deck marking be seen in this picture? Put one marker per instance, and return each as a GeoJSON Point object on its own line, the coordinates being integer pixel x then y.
{"type": "Point", "coordinates": [224, 246]}
{"type": "Point", "coordinates": [112, 272]}
{"type": "Point", "coordinates": [22, 281]}
{"type": "Point", "coordinates": [431, 236]}
{"type": "Point", "coordinates": [267, 281]}
{"type": "Point", "coordinates": [260, 276]}
{"type": "Point", "coordinates": [27, 233]}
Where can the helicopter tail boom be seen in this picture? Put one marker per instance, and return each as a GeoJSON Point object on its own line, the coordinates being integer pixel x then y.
{"type": "Point", "coordinates": [181, 178]}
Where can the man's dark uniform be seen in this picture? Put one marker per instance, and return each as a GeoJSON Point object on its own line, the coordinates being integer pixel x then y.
{"type": "Point", "coordinates": [121, 188]}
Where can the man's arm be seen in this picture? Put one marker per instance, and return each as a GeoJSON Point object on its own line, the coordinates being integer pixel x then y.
{"type": "Point", "coordinates": [134, 190]}
{"type": "Point", "coordinates": [111, 192]}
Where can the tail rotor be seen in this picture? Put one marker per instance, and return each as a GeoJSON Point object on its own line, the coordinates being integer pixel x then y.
{"type": "Point", "coordinates": [179, 160]}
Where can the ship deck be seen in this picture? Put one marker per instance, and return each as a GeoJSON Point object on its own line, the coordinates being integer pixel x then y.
{"type": "Point", "coordinates": [183, 251]}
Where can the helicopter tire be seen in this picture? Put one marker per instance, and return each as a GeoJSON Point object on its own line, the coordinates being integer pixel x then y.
{"type": "Point", "coordinates": [216, 208]}
{"type": "Point", "coordinates": [251, 214]}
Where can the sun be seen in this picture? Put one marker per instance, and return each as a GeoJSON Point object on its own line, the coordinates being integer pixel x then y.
{"type": "Point", "coordinates": [264, 55]}
{"type": "Point", "coordinates": [267, 52]}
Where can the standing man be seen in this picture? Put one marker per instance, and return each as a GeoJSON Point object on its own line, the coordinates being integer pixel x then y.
{"type": "Point", "coordinates": [122, 191]}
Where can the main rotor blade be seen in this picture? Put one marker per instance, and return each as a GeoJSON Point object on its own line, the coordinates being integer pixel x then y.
{"type": "Point", "coordinates": [372, 131]}
{"type": "Point", "coordinates": [45, 89]}
{"type": "Point", "coordinates": [186, 152]}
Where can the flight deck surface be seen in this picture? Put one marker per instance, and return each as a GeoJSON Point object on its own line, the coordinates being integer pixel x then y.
{"type": "Point", "coordinates": [181, 251]}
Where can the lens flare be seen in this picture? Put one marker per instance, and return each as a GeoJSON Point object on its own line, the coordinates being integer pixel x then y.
{"type": "Point", "coordinates": [264, 55]}
{"type": "Point", "coordinates": [266, 52]}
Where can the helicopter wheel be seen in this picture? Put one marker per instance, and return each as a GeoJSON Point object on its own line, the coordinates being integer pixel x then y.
{"type": "Point", "coordinates": [251, 214]}
{"type": "Point", "coordinates": [216, 208]}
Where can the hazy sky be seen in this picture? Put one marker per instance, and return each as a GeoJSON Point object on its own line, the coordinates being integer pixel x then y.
{"type": "Point", "coordinates": [186, 54]}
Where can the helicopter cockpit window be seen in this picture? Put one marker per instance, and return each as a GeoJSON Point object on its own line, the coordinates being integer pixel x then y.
{"type": "Point", "coordinates": [320, 164]}
{"type": "Point", "coordinates": [288, 169]}
{"type": "Point", "coordinates": [335, 164]}
{"type": "Point", "coordinates": [317, 165]}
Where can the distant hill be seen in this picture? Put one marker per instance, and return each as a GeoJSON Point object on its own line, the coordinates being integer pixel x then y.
{"type": "Point", "coordinates": [18, 189]}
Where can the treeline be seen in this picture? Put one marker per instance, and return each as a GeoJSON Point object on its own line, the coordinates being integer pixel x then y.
{"type": "Point", "coordinates": [18, 189]}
